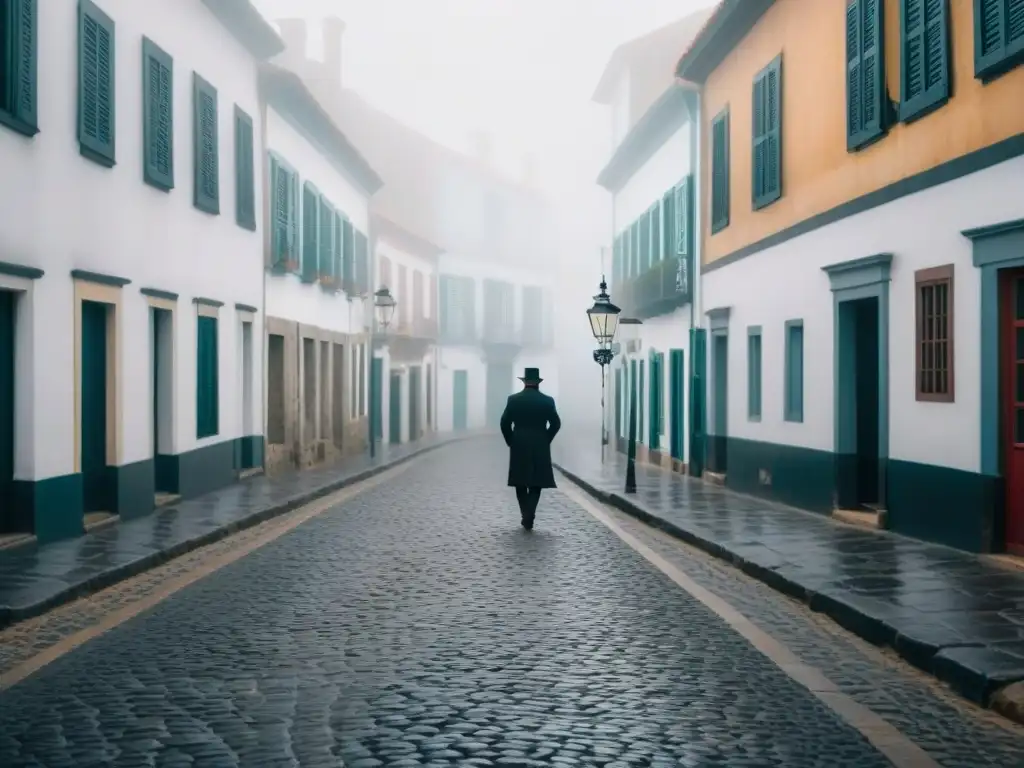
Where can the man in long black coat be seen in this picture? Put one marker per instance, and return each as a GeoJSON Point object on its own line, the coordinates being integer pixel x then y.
{"type": "Point", "coordinates": [529, 424]}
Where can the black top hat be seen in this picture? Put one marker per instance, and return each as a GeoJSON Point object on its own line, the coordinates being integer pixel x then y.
{"type": "Point", "coordinates": [531, 376]}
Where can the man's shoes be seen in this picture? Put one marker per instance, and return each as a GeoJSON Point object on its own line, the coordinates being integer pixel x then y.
{"type": "Point", "coordinates": [528, 523]}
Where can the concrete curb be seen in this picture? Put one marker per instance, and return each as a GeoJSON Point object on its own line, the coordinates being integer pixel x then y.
{"type": "Point", "coordinates": [11, 615]}
{"type": "Point", "coordinates": [949, 660]}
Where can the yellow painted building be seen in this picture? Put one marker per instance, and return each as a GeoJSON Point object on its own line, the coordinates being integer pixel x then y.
{"type": "Point", "coordinates": [862, 224]}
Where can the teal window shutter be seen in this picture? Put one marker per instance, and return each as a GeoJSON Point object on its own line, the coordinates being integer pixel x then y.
{"type": "Point", "coordinates": [157, 116]}
{"type": "Point", "coordinates": [339, 236]}
{"type": "Point", "coordinates": [794, 382]}
{"type": "Point", "coordinates": [19, 29]}
{"type": "Point", "coordinates": [362, 266]}
{"type": "Point", "coordinates": [205, 147]}
{"type": "Point", "coordinates": [656, 248]}
{"type": "Point", "coordinates": [767, 151]}
{"type": "Point", "coordinates": [640, 406]}
{"type": "Point", "coordinates": [325, 250]}
{"type": "Point", "coordinates": [282, 181]}
{"type": "Point", "coordinates": [294, 210]}
{"type": "Point", "coordinates": [310, 231]}
{"type": "Point", "coordinates": [207, 389]}
{"type": "Point", "coordinates": [627, 253]}
{"type": "Point", "coordinates": [96, 102]}
{"type": "Point", "coordinates": [865, 73]}
{"type": "Point", "coordinates": [645, 242]}
{"type": "Point", "coordinates": [720, 171]}
{"type": "Point", "coordinates": [683, 207]}
{"type": "Point", "coordinates": [245, 175]}
{"type": "Point", "coordinates": [638, 253]}
{"type": "Point", "coordinates": [754, 373]}
{"type": "Point", "coordinates": [348, 257]}
{"type": "Point", "coordinates": [668, 224]}
{"type": "Point", "coordinates": [998, 37]}
{"type": "Point", "coordinates": [924, 57]}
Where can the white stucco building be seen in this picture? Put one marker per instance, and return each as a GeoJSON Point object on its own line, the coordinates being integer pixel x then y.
{"type": "Point", "coordinates": [318, 286]}
{"type": "Point", "coordinates": [651, 175]}
{"type": "Point", "coordinates": [130, 308]}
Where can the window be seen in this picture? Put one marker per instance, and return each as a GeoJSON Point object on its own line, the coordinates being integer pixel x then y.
{"type": "Point", "coordinates": [998, 37]}
{"type": "Point", "coordinates": [934, 288]}
{"type": "Point", "coordinates": [656, 233]}
{"type": "Point", "coordinates": [325, 251]}
{"type": "Point", "coordinates": [627, 253]}
{"type": "Point", "coordinates": [348, 249]}
{"type": "Point", "coordinates": [645, 242]}
{"type": "Point", "coordinates": [865, 73]}
{"type": "Point", "coordinates": [767, 157]}
{"type": "Point", "coordinates": [924, 57]}
{"type": "Point", "coordinates": [157, 116]}
{"type": "Point", "coordinates": [95, 84]}
{"type": "Point", "coordinates": [362, 263]}
{"type": "Point", "coordinates": [245, 176]}
{"type": "Point", "coordinates": [720, 171]}
{"type": "Point", "coordinates": [284, 202]}
{"type": "Point", "coordinates": [794, 384]}
{"type": "Point", "coordinates": [19, 21]}
{"type": "Point", "coordinates": [207, 389]}
{"type": "Point", "coordinates": [205, 158]}
{"type": "Point", "coordinates": [668, 224]}
{"type": "Point", "coordinates": [310, 231]}
{"type": "Point", "coordinates": [754, 373]}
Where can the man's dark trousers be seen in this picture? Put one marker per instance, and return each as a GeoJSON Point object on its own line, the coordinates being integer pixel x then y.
{"type": "Point", "coordinates": [528, 499]}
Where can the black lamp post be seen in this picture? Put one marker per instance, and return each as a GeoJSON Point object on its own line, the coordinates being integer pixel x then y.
{"type": "Point", "coordinates": [604, 321]}
{"type": "Point", "coordinates": [630, 329]}
{"type": "Point", "coordinates": [383, 311]}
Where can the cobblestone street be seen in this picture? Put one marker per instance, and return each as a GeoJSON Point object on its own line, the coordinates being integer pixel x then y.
{"type": "Point", "coordinates": [417, 624]}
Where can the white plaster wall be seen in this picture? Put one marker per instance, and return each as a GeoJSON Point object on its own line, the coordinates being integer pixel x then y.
{"type": "Point", "coordinates": [786, 282]}
{"type": "Point", "coordinates": [469, 359]}
{"type": "Point", "coordinates": [59, 211]}
{"type": "Point", "coordinates": [287, 296]}
{"type": "Point", "coordinates": [665, 168]}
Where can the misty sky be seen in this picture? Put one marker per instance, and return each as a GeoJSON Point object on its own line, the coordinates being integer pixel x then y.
{"type": "Point", "coordinates": [523, 69]}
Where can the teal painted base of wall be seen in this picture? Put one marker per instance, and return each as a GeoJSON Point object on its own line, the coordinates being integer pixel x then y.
{"type": "Point", "coordinates": [133, 489]}
{"type": "Point", "coordinates": [938, 504]}
{"type": "Point", "coordinates": [51, 508]}
{"type": "Point", "coordinates": [200, 471]}
{"type": "Point", "coordinates": [249, 451]}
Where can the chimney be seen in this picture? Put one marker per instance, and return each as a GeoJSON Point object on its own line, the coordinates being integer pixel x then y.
{"type": "Point", "coordinates": [333, 32]}
{"type": "Point", "coordinates": [481, 143]}
{"type": "Point", "coordinates": [293, 32]}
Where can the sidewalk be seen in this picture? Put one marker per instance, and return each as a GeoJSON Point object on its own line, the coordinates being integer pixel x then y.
{"type": "Point", "coordinates": [34, 579]}
{"type": "Point", "coordinates": [949, 613]}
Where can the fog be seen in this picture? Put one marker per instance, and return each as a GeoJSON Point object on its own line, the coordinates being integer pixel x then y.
{"type": "Point", "coordinates": [521, 74]}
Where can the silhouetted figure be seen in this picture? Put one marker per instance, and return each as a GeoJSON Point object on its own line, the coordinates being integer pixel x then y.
{"type": "Point", "coordinates": [529, 424]}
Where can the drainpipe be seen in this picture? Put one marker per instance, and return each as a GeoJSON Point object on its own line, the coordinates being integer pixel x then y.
{"type": "Point", "coordinates": [267, 251]}
{"type": "Point", "coordinates": [609, 411]}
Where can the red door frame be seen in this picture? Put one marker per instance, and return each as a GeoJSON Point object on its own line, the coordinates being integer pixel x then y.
{"type": "Point", "coordinates": [1011, 364]}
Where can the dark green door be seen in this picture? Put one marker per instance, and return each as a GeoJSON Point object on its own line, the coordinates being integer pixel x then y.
{"type": "Point", "coordinates": [499, 387]}
{"type": "Point", "coordinates": [94, 406]}
{"type": "Point", "coordinates": [460, 400]}
{"type": "Point", "coordinates": [657, 400]}
{"type": "Point", "coordinates": [718, 459]}
{"type": "Point", "coordinates": [395, 410]}
{"type": "Point", "coordinates": [675, 403]}
{"type": "Point", "coordinates": [8, 523]}
{"type": "Point", "coordinates": [618, 403]}
{"type": "Point", "coordinates": [376, 398]}
{"type": "Point", "coordinates": [631, 425]}
{"type": "Point", "coordinates": [414, 403]}
{"type": "Point", "coordinates": [698, 393]}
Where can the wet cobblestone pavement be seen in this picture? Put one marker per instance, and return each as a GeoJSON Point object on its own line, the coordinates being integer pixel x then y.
{"type": "Point", "coordinates": [417, 624]}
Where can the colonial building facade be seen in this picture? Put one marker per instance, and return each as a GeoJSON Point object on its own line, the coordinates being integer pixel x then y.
{"type": "Point", "coordinates": [130, 319]}
{"type": "Point", "coordinates": [651, 175]}
{"type": "Point", "coordinates": [862, 209]}
{"type": "Point", "coordinates": [318, 284]}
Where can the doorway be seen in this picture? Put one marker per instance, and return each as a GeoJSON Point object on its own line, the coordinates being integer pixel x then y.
{"type": "Point", "coordinates": [499, 387]}
{"type": "Point", "coordinates": [414, 403]}
{"type": "Point", "coordinates": [859, 481]}
{"type": "Point", "coordinates": [718, 443]}
{"type": "Point", "coordinates": [8, 520]}
{"type": "Point", "coordinates": [395, 409]}
{"type": "Point", "coordinates": [1011, 355]}
{"type": "Point", "coordinates": [93, 427]}
{"type": "Point", "coordinates": [162, 352]}
{"type": "Point", "coordinates": [676, 379]}
{"type": "Point", "coordinates": [460, 400]}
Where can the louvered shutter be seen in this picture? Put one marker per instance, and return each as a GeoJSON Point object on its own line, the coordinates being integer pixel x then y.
{"type": "Point", "coordinates": [158, 116]}
{"type": "Point", "coordinates": [348, 257]}
{"type": "Point", "coordinates": [96, 91]}
{"type": "Point", "coordinates": [245, 179]}
{"type": "Point", "coordinates": [24, 56]}
{"type": "Point", "coordinates": [720, 194]}
{"type": "Point", "coordinates": [205, 136]}
{"type": "Point", "coordinates": [325, 249]}
{"type": "Point", "coordinates": [310, 231]}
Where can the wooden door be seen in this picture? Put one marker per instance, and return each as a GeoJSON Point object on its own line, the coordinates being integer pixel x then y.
{"type": "Point", "coordinates": [395, 410]}
{"type": "Point", "coordinates": [94, 406]}
{"type": "Point", "coordinates": [7, 520]}
{"type": "Point", "coordinates": [1012, 364]}
{"type": "Point", "coordinates": [460, 400]}
{"type": "Point", "coordinates": [414, 403]}
{"type": "Point", "coordinates": [676, 403]}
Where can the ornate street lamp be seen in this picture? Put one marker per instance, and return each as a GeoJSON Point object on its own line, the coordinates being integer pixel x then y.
{"type": "Point", "coordinates": [604, 321]}
{"type": "Point", "coordinates": [384, 305]}
{"type": "Point", "coordinates": [630, 331]}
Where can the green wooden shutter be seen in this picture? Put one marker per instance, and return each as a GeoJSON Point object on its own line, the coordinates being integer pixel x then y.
{"type": "Point", "coordinates": [362, 263]}
{"type": "Point", "coordinates": [767, 149]}
{"type": "Point", "coordinates": [348, 257]}
{"type": "Point", "coordinates": [205, 147]}
{"type": "Point", "coordinates": [638, 253]}
{"type": "Point", "coordinates": [655, 406]}
{"type": "Point", "coordinates": [293, 244]}
{"type": "Point", "coordinates": [668, 224]}
{"type": "Point", "coordinates": [794, 381]}
{"type": "Point", "coordinates": [325, 250]}
{"type": "Point", "coordinates": [644, 223]}
{"type": "Point", "coordinates": [18, 105]}
{"type": "Point", "coordinates": [924, 57]}
{"type": "Point", "coordinates": [698, 393]}
{"type": "Point", "coordinates": [998, 36]}
{"type": "Point", "coordinates": [754, 375]}
{"type": "Point", "coordinates": [96, 90]}
{"type": "Point", "coordinates": [245, 176]}
{"type": "Point", "coordinates": [157, 116]}
{"type": "Point", "coordinates": [310, 231]}
{"type": "Point", "coordinates": [339, 244]}
{"type": "Point", "coordinates": [683, 208]}
{"type": "Point", "coordinates": [627, 254]}
{"type": "Point", "coordinates": [865, 73]}
{"type": "Point", "coordinates": [657, 250]}
{"type": "Point", "coordinates": [207, 389]}
{"type": "Point", "coordinates": [281, 206]}
{"type": "Point", "coordinates": [720, 172]}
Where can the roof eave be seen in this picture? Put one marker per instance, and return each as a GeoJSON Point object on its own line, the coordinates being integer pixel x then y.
{"type": "Point", "coordinates": [722, 32]}
{"type": "Point", "coordinates": [246, 23]}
